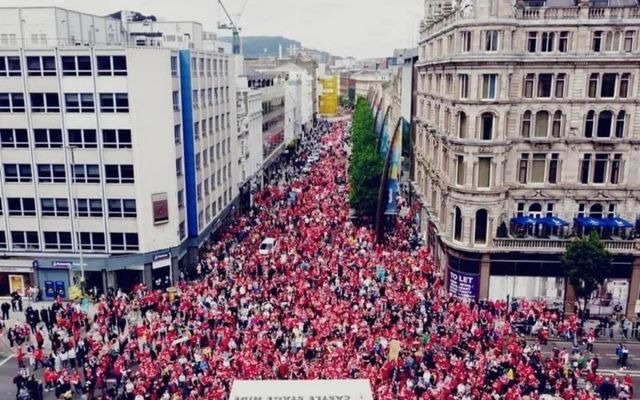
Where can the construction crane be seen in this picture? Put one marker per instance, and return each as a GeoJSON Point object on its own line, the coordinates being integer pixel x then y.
{"type": "Point", "coordinates": [232, 26]}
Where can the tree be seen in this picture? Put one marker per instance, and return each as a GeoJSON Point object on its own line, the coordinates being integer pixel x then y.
{"type": "Point", "coordinates": [587, 264]}
{"type": "Point", "coordinates": [365, 167]}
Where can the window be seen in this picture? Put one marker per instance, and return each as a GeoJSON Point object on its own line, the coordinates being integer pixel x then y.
{"type": "Point", "coordinates": [112, 65]}
{"type": "Point", "coordinates": [177, 133]}
{"type": "Point", "coordinates": [86, 173]}
{"type": "Point", "coordinates": [41, 66]}
{"type": "Point", "coordinates": [481, 221]}
{"type": "Point", "coordinates": [21, 206]}
{"type": "Point", "coordinates": [487, 123]}
{"type": "Point", "coordinates": [182, 232]}
{"type": "Point", "coordinates": [604, 124]}
{"type": "Point", "coordinates": [463, 81]}
{"type": "Point", "coordinates": [174, 66]}
{"type": "Point", "coordinates": [620, 124]}
{"type": "Point", "coordinates": [526, 124]}
{"type": "Point", "coordinates": [542, 124]}
{"type": "Point", "coordinates": [116, 138]}
{"type": "Point", "coordinates": [560, 83]}
{"type": "Point", "coordinates": [484, 172]}
{"type": "Point", "coordinates": [114, 102]}
{"type": "Point", "coordinates": [76, 65]}
{"type": "Point", "coordinates": [529, 83]}
{"type": "Point", "coordinates": [554, 169]}
{"type": "Point", "coordinates": [457, 225]}
{"type": "Point", "coordinates": [601, 168]}
{"type": "Point", "coordinates": [54, 207]}
{"type": "Point", "coordinates": [122, 208]}
{"type": "Point", "coordinates": [88, 208]}
{"type": "Point", "coordinates": [198, 161]}
{"type": "Point", "coordinates": [176, 100]}
{"type": "Point", "coordinates": [538, 168]}
{"type": "Point", "coordinates": [607, 89]}
{"type": "Point", "coordinates": [92, 241]}
{"type": "Point", "coordinates": [547, 41]}
{"type": "Point", "coordinates": [523, 168]}
{"type": "Point", "coordinates": [118, 173]}
{"type": "Point", "coordinates": [180, 198]}
{"type": "Point", "coordinates": [557, 126]}
{"type": "Point", "coordinates": [612, 41]}
{"type": "Point", "coordinates": [460, 170]}
{"type": "Point", "coordinates": [532, 42]}
{"type": "Point", "coordinates": [596, 43]}
{"type": "Point", "coordinates": [544, 85]}
{"type": "Point", "coordinates": [51, 173]}
{"type": "Point", "coordinates": [84, 138]}
{"type": "Point", "coordinates": [10, 66]}
{"type": "Point", "coordinates": [194, 98]}
{"type": "Point", "coordinates": [538, 164]}
{"type": "Point", "coordinates": [491, 40]}
{"type": "Point", "coordinates": [629, 38]}
{"type": "Point", "coordinates": [179, 166]}
{"type": "Point", "coordinates": [593, 85]}
{"type": "Point", "coordinates": [45, 102]}
{"type": "Point", "coordinates": [563, 42]}
{"type": "Point", "coordinates": [489, 86]}
{"type": "Point", "coordinates": [124, 241]}
{"type": "Point", "coordinates": [14, 138]}
{"type": "Point", "coordinates": [17, 173]}
{"type": "Point", "coordinates": [465, 41]}
{"type": "Point", "coordinates": [11, 102]}
{"type": "Point", "coordinates": [57, 240]}
{"type": "Point", "coordinates": [623, 90]}
{"type": "Point", "coordinates": [25, 240]}
{"type": "Point", "coordinates": [47, 138]}
{"type": "Point", "coordinates": [79, 102]}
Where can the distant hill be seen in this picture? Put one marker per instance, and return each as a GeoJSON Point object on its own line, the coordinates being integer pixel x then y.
{"type": "Point", "coordinates": [268, 46]}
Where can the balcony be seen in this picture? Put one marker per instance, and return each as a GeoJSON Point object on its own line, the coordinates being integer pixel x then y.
{"type": "Point", "coordinates": [543, 13]}
{"type": "Point", "coordinates": [552, 245]}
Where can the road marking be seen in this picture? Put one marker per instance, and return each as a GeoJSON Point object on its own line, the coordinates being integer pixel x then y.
{"type": "Point", "coordinates": [618, 372]}
{"type": "Point", "coordinates": [3, 362]}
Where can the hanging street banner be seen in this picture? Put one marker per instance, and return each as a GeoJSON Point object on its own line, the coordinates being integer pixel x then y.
{"type": "Point", "coordinates": [394, 170]}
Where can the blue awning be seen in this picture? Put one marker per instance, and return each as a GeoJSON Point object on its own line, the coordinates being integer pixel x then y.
{"type": "Point", "coordinates": [616, 222]}
{"type": "Point", "coordinates": [552, 222]}
{"type": "Point", "coordinates": [588, 222]}
{"type": "Point", "coordinates": [523, 221]}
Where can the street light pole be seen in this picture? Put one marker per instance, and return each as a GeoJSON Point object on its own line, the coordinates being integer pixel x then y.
{"type": "Point", "coordinates": [74, 215]}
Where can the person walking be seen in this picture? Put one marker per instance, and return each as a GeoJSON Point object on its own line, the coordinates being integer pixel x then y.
{"type": "Point", "coordinates": [624, 357]}
{"type": "Point", "coordinates": [5, 307]}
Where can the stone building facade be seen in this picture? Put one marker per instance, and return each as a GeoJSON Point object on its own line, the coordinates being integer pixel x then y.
{"type": "Point", "coordinates": [528, 108]}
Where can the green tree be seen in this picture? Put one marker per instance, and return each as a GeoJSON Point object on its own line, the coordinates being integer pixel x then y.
{"type": "Point", "coordinates": [587, 264]}
{"type": "Point", "coordinates": [366, 165]}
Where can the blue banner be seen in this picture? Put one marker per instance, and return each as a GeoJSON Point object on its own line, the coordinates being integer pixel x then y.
{"type": "Point", "coordinates": [385, 136]}
{"type": "Point", "coordinates": [394, 171]}
{"type": "Point", "coordinates": [379, 119]}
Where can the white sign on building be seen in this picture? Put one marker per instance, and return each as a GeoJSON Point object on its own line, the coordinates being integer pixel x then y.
{"type": "Point", "coordinates": [347, 389]}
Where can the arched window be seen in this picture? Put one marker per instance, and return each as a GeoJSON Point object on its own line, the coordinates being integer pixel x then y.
{"type": "Point", "coordinates": [605, 119]}
{"type": "Point", "coordinates": [535, 210]}
{"type": "Point", "coordinates": [596, 211]}
{"type": "Point", "coordinates": [480, 236]}
{"type": "Point", "coordinates": [588, 124]}
{"type": "Point", "coordinates": [526, 124]}
{"type": "Point", "coordinates": [556, 128]}
{"type": "Point", "coordinates": [462, 125]}
{"type": "Point", "coordinates": [457, 224]}
{"type": "Point", "coordinates": [542, 123]}
{"type": "Point", "coordinates": [620, 123]}
{"type": "Point", "coordinates": [486, 127]}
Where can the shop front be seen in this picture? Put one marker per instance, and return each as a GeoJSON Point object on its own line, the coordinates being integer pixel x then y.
{"type": "Point", "coordinates": [126, 279]}
{"type": "Point", "coordinates": [161, 271]}
{"type": "Point", "coordinates": [53, 279]}
{"type": "Point", "coordinates": [16, 276]}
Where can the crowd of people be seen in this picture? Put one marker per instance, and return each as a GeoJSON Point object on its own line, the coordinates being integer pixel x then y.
{"type": "Point", "coordinates": [325, 303]}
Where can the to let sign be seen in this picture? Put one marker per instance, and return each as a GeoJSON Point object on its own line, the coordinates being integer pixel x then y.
{"type": "Point", "coordinates": [463, 286]}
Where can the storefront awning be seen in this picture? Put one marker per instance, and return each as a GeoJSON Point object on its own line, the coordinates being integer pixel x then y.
{"type": "Point", "coordinates": [523, 221]}
{"type": "Point", "coordinates": [588, 222]}
{"type": "Point", "coordinates": [553, 222]}
{"type": "Point", "coordinates": [616, 222]}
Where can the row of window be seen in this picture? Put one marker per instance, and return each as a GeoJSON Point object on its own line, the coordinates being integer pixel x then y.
{"type": "Point", "coordinates": [207, 66]}
{"type": "Point", "coordinates": [69, 65]}
{"type": "Point", "coordinates": [74, 102]}
{"type": "Point", "coordinates": [52, 138]}
{"type": "Point", "coordinates": [492, 40]}
{"type": "Point", "coordinates": [59, 207]}
{"type": "Point", "coordinates": [540, 124]}
{"type": "Point", "coordinates": [92, 241]}
{"type": "Point", "coordinates": [542, 85]}
{"type": "Point", "coordinates": [593, 210]}
{"type": "Point", "coordinates": [56, 173]}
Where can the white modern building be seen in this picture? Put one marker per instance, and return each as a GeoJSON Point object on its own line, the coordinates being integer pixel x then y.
{"type": "Point", "coordinates": [117, 145]}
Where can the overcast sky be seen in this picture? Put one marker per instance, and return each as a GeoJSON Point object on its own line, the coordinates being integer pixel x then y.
{"type": "Point", "coordinates": [358, 28]}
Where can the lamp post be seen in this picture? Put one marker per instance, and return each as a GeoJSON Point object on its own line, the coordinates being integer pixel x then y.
{"type": "Point", "coordinates": [74, 214]}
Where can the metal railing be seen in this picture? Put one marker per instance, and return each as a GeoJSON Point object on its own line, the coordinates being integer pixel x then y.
{"type": "Point", "coordinates": [560, 244]}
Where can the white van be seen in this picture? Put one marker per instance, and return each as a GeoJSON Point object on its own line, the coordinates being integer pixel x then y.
{"type": "Point", "coordinates": [267, 246]}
